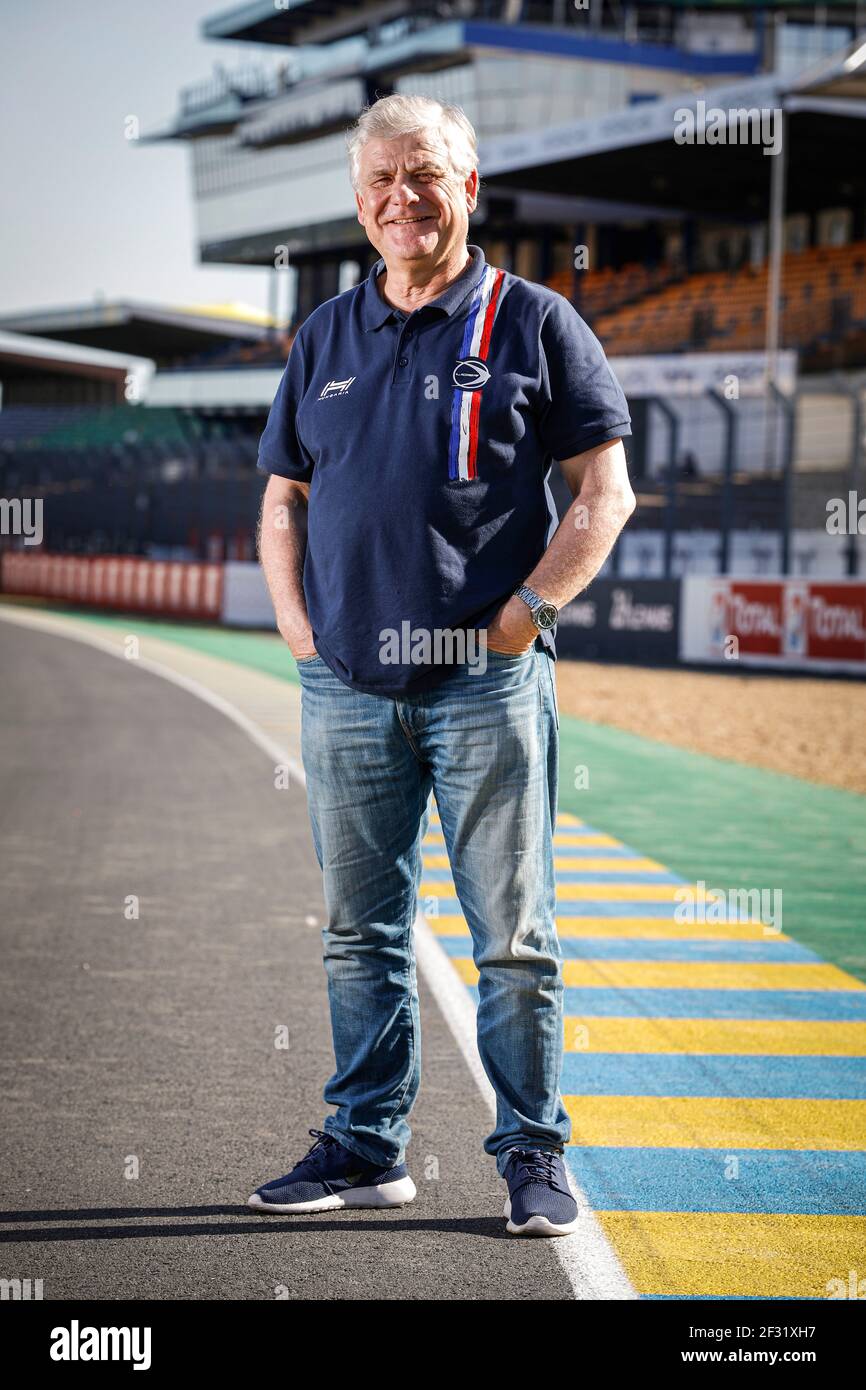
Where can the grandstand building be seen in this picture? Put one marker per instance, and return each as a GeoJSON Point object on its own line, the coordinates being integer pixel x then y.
{"type": "Point", "coordinates": [268, 151]}
{"type": "Point", "coordinates": [577, 111]}
{"type": "Point", "coordinates": [170, 481]}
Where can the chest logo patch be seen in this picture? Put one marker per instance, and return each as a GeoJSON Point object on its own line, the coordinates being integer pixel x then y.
{"type": "Point", "coordinates": [336, 388]}
{"type": "Point", "coordinates": [470, 374]}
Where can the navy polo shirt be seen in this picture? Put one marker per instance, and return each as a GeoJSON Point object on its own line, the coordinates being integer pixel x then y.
{"type": "Point", "coordinates": [427, 440]}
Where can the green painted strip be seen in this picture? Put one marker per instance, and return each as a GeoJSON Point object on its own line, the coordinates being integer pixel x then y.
{"type": "Point", "coordinates": [705, 818]}
{"type": "Point", "coordinates": [732, 826]}
{"type": "Point", "coordinates": [261, 651]}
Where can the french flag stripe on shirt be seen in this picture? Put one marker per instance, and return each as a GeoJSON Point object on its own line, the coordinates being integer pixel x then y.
{"type": "Point", "coordinates": [466, 405]}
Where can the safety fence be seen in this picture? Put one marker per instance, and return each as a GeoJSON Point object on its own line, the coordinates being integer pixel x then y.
{"type": "Point", "coordinates": [775, 622]}
{"type": "Point", "coordinates": [171, 587]}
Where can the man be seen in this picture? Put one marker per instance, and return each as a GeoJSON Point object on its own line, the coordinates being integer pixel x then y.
{"type": "Point", "coordinates": [410, 443]}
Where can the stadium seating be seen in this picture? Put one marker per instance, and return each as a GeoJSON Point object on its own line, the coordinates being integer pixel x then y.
{"type": "Point", "coordinates": [600, 291]}
{"type": "Point", "coordinates": [823, 303]}
{"type": "Point", "coordinates": [265, 353]}
{"type": "Point", "coordinates": [85, 427]}
{"type": "Point", "coordinates": [125, 479]}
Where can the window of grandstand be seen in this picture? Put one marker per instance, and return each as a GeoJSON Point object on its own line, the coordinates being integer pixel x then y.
{"type": "Point", "coordinates": [798, 46]}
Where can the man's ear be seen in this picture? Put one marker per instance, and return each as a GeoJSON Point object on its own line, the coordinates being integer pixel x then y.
{"type": "Point", "coordinates": [359, 204]}
{"type": "Point", "coordinates": [472, 190]}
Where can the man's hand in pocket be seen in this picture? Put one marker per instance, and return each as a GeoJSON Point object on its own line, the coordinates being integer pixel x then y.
{"type": "Point", "coordinates": [298, 638]}
{"type": "Point", "coordinates": [511, 632]}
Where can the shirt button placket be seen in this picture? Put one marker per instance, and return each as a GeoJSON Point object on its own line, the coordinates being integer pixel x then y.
{"type": "Point", "coordinates": [405, 356]}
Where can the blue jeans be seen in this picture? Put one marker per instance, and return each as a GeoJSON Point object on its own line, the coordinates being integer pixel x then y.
{"type": "Point", "coordinates": [487, 746]}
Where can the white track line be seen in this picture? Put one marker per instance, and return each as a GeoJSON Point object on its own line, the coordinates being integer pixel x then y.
{"type": "Point", "coordinates": [589, 1261]}
{"type": "Point", "coordinates": [274, 750]}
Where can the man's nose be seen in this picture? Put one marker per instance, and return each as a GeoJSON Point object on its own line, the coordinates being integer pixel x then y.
{"type": "Point", "coordinates": [404, 193]}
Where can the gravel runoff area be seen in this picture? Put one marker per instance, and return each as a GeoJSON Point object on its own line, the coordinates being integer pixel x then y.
{"type": "Point", "coordinates": [809, 728]}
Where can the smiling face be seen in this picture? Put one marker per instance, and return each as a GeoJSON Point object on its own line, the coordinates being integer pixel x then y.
{"type": "Point", "coordinates": [411, 204]}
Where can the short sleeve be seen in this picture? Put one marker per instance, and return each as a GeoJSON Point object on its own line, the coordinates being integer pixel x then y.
{"type": "Point", "coordinates": [582, 402]}
{"type": "Point", "coordinates": [280, 449]}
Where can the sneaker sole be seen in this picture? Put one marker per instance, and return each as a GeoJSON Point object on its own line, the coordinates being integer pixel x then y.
{"type": "Point", "coordinates": [537, 1225]}
{"type": "Point", "coordinates": [389, 1194]}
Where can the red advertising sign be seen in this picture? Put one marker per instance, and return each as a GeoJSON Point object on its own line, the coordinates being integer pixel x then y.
{"type": "Point", "coordinates": [795, 622]}
{"type": "Point", "coordinates": [837, 621]}
{"type": "Point", "coordinates": [751, 613]}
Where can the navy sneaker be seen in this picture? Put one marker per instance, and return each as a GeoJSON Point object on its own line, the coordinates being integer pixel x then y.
{"type": "Point", "coordinates": [330, 1176]}
{"type": "Point", "coordinates": [539, 1201]}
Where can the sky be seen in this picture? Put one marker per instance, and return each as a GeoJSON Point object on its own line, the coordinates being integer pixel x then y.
{"type": "Point", "coordinates": [83, 210]}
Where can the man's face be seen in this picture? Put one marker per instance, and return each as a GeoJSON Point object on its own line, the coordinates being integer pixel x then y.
{"type": "Point", "coordinates": [411, 204]}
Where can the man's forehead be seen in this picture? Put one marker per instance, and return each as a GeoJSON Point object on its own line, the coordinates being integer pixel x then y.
{"type": "Point", "coordinates": [406, 149]}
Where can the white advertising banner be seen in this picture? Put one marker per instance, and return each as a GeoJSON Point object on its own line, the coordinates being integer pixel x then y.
{"type": "Point", "coordinates": [246, 601]}
{"type": "Point", "coordinates": [692, 373]}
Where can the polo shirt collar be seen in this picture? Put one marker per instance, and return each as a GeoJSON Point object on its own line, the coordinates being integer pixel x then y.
{"type": "Point", "coordinates": [377, 312]}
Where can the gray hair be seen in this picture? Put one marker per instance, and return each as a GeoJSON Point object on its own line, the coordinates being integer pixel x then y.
{"type": "Point", "coordinates": [393, 116]}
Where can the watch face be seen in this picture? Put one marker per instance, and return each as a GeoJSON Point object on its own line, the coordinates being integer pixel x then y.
{"type": "Point", "coordinates": [546, 615]}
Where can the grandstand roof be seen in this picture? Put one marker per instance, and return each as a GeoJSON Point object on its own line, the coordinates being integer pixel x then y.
{"type": "Point", "coordinates": [300, 21]}
{"type": "Point", "coordinates": [146, 330]}
{"type": "Point", "coordinates": [633, 154]}
{"type": "Point", "coordinates": [431, 41]}
{"type": "Point", "coordinates": [24, 355]}
{"type": "Point", "coordinates": [42, 370]}
{"type": "Point", "coordinates": [841, 78]}
{"type": "Point", "coordinates": [325, 87]}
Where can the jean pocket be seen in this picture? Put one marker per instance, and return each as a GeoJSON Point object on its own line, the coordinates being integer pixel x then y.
{"type": "Point", "coordinates": [552, 675]}
{"type": "Point", "coordinates": [305, 660]}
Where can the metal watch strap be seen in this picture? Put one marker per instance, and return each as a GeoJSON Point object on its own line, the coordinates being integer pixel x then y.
{"type": "Point", "coordinates": [533, 602]}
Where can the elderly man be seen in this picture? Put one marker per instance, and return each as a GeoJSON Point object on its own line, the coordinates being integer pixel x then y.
{"type": "Point", "coordinates": [416, 565]}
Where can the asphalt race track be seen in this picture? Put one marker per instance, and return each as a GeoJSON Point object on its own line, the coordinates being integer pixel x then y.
{"type": "Point", "coordinates": [161, 934]}
{"type": "Point", "coordinates": [147, 1045]}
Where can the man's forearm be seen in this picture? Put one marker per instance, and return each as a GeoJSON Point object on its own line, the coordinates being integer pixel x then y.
{"type": "Point", "coordinates": [582, 542]}
{"type": "Point", "coordinates": [282, 544]}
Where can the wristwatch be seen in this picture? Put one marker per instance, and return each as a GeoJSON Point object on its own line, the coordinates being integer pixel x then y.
{"type": "Point", "coordinates": [544, 614]}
